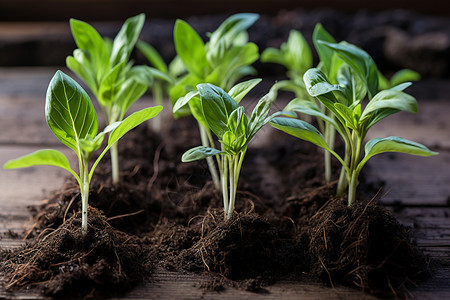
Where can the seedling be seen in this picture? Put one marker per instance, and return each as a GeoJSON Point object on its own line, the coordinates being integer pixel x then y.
{"type": "Point", "coordinates": [357, 77]}
{"type": "Point", "coordinates": [227, 120]}
{"type": "Point", "coordinates": [222, 61]}
{"type": "Point", "coordinates": [104, 66]}
{"type": "Point", "coordinates": [72, 118]}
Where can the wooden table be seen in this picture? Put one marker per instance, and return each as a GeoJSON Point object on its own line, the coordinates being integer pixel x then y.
{"type": "Point", "coordinates": [421, 185]}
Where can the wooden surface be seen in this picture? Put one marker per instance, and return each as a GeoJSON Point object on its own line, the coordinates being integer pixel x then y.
{"type": "Point", "coordinates": [421, 185]}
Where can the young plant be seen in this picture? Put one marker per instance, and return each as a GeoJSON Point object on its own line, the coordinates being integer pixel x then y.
{"type": "Point", "coordinates": [72, 118]}
{"type": "Point", "coordinates": [222, 61]}
{"type": "Point", "coordinates": [357, 77]}
{"type": "Point", "coordinates": [105, 68]}
{"type": "Point", "coordinates": [227, 120]}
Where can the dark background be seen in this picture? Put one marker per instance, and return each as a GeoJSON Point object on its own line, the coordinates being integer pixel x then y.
{"type": "Point", "coordinates": [398, 34]}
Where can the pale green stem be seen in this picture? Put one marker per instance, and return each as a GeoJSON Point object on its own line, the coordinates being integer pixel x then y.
{"type": "Point", "coordinates": [115, 163]}
{"type": "Point", "coordinates": [84, 198]}
{"type": "Point", "coordinates": [354, 169]}
{"type": "Point", "coordinates": [352, 188]}
{"type": "Point", "coordinates": [224, 178]}
{"type": "Point", "coordinates": [209, 160]}
{"type": "Point", "coordinates": [157, 91]}
{"type": "Point", "coordinates": [232, 179]}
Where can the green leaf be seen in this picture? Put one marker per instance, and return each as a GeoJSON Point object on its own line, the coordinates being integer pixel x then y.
{"type": "Point", "coordinates": [236, 58]}
{"type": "Point", "coordinates": [126, 39]}
{"type": "Point", "coordinates": [46, 157]}
{"type": "Point", "coordinates": [347, 114]}
{"type": "Point", "coordinates": [217, 106]}
{"type": "Point", "coordinates": [181, 102]}
{"type": "Point", "coordinates": [260, 113]}
{"type": "Point", "coordinates": [109, 86]}
{"type": "Point", "coordinates": [360, 61]}
{"type": "Point", "coordinates": [130, 91]}
{"type": "Point", "coordinates": [317, 83]}
{"type": "Point", "coordinates": [301, 130]}
{"type": "Point", "coordinates": [325, 54]}
{"type": "Point", "coordinates": [393, 144]}
{"type": "Point", "coordinates": [132, 121]}
{"type": "Point", "coordinates": [190, 48]}
{"type": "Point", "coordinates": [391, 99]}
{"type": "Point", "coordinates": [69, 111]}
{"type": "Point", "coordinates": [404, 76]}
{"type": "Point", "coordinates": [195, 106]}
{"type": "Point", "coordinates": [90, 41]}
{"type": "Point", "coordinates": [401, 87]}
{"type": "Point", "coordinates": [199, 152]}
{"type": "Point", "coordinates": [299, 56]}
{"type": "Point", "coordinates": [80, 66]}
{"type": "Point", "coordinates": [273, 55]}
{"type": "Point", "coordinates": [153, 56]}
{"type": "Point", "coordinates": [239, 91]}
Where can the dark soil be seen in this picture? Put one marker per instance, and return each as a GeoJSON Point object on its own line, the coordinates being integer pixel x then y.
{"type": "Point", "coordinates": [287, 224]}
{"type": "Point", "coordinates": [62, 262]}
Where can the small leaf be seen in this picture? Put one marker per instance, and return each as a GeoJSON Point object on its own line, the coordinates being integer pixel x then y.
{"type": "Point", "coordinates": [46, 157]}
{"type": "Point", "coordinates": [298, 53]}
{"type": "Point", "coordinates": [199, 152]}
{"type": "Point", "coordinates": [393, 144]}
{"type": "Point", "coordinates": [404, 76]}
{"type": "Point", "coordinates": [79, 65]}
{"type": "Point", "coordinates": [217, 106]}
{"type": "Point", "coordinates": [391, 99]}
{"type": "Point", "coordinates": [69, 111]}
{"type": "Point", "coordinates": [325, 54]}
{"type": "Point", "coordinates": [126, 39]}
{"type": "Point", "coordinates": [301, 130]}
{"type": "Point", "coordinates": [273, 55]}
{"type": "Point", "coordinates": [132, 121]}
{"type": "Point", "coordinates": [184, 100]}
{"type": "Point", "coordinates": [347, 114]}
{"type": "Point", "coordinates": [239, 91]}
{"type": "Point", "coordinates": [130, 91]}
{"type": "Point", "coordinates": [109, 86]}
{"type": "Point", "coordinates": [260, 113]}
{"type": "Point", "coordinates": [190, 48]}
{"type": "Point", "coordinates": [317, 83]}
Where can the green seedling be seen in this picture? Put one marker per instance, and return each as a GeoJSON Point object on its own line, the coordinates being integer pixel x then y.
{"type": "Point", "coordinates": [357, 76]}
{"type": "Point", "coordinates": [222, 61]}
{"type": "Point", "coordinates": [72, 118]}
{"type": "Point", "coordinates": [228, 121]}
{"type": "Point", "coordinates": [105, 68]}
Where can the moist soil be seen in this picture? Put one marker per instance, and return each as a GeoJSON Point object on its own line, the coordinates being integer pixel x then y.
{"type": "Point", "coordinates": [164, 213]}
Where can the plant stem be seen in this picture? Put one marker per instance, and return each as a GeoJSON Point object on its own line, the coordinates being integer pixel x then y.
{"type": "Point", "coordinates": [84, 198]}
{"type": "Point", "coordinates": [209, 160]}
{"type": "Point", "coordinates": [224, 177]}
{"type": "Point", "coordinates": [157, 91]}
{"type": "Point", "coordinates": [232, 170]}
{"type": "Point", "coordinates": [352, 188]}
{"type": "Point", "coordinates": [115, 163]}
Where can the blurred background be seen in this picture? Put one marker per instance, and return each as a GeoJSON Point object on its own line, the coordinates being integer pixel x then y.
{"type": "Point", "coordinates": [397, 33]}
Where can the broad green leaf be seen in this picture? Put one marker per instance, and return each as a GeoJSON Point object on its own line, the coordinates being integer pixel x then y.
{"type": "Point", "coordinates": [190, 48]}
{"type": "Point", "coordinates": [90, 41]}
{"type": "Point", "coordinates": [239, 91]}
{"type": "Point", "coordinates": [300, 129]}
{"type": "Point", "coordinates": [153, 56]}
{"type": "Point", "coordinates": [404, 76]}
{"type": "Point", "coordinates": [181, 102]}
{"type": "Point", "coordinates": [132, 121]}
{"type": "Point", "coordinates": [46, 157]}
{"type": "Point", "coordinates": [325, 54]}
{"type": "Point", "coordinates": [393, 144]}
{"type": "Point", "coordinates": [198, 153]}
{"type": "Point", "coordinates": [126, 39]}
{"type": "Point", "coordinates": [391, 99]}
{"type": "Point", "coordinates": [360, 61]}
{"type": "Point", "coordinates": [217, 106]}
{"type": "Point", "coordinates": [354, 87]}
{"type": "Point", "coordinates": [69, 111]}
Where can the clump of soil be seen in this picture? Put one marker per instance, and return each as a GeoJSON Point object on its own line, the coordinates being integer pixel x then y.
{"type": "Point", "coordinates": [63, 262]}
{"type": "Point", "coordinates": [364, 245]}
